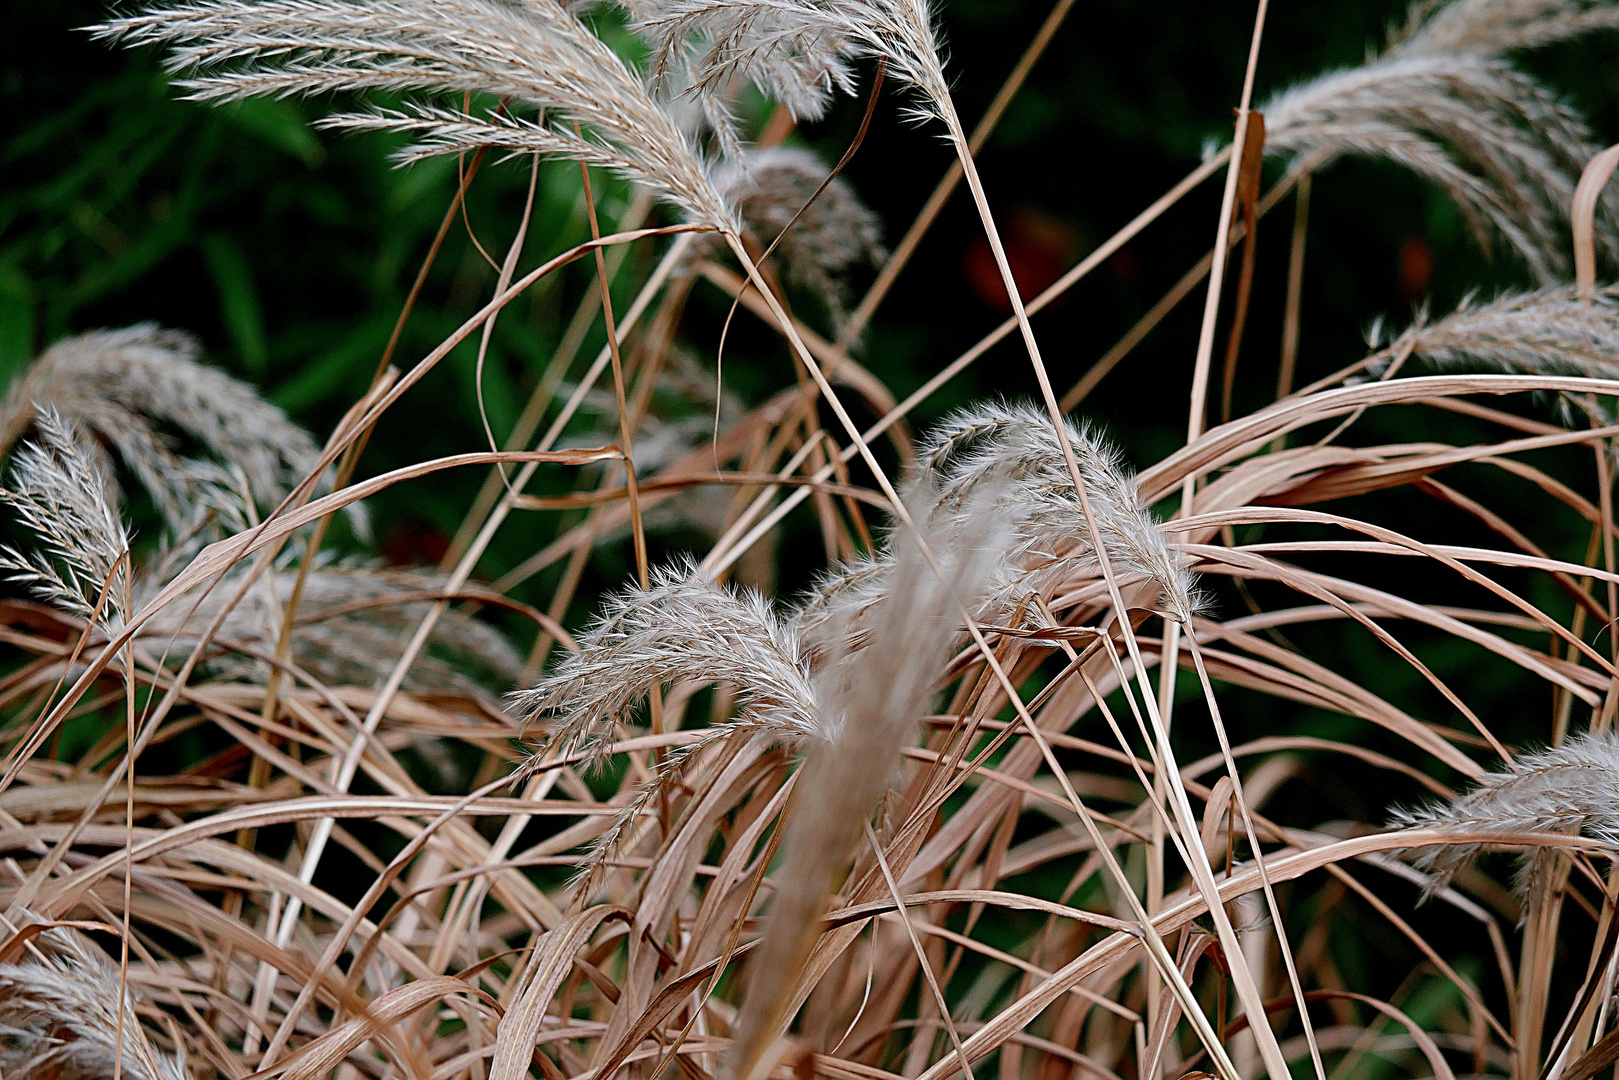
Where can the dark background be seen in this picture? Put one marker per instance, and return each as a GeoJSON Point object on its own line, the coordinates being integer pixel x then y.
{"type": "Point", "coordinates": [289, 252]}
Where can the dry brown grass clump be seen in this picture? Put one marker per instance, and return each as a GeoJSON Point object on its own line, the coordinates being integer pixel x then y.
{"type": "Point", "coordinates": [943, 816]}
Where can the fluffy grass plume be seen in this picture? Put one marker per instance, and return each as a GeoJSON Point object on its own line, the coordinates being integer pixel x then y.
{"type": "Point", "coordinates": [683, 628]}
{"type": "Point", "coordinates": [834, 234]}
{"type": "Point", "coordinates": [134, 389]}
{"type": "Point", "coordinates": [1573, 788]}
{"type": "Point", "coordinates": [537, 54]}
{"type": "Point", "coordinates": [1547, 331]}
{"type": "Point", "coordinates": [1494, 26]}
{"type": "Point", "coordinates": [57, 493]}
{"type": "Point", "coordinates": [875, 698]}
{"type": "Point", "coordinates": [1504, 148]}
{"type": "Point", "coordinates": [352, 625]}
{"type": "Point", "coordinates": [800, 63]}
{"type": "Point", "coordinates": [59, 1017]}
{"type": "Point", "coordinates": [1007, 457]}
{"type": "Point", "coordinates": [800, 50]}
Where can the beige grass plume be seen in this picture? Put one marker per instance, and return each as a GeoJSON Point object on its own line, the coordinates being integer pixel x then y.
{"type": "Point", "coordinates": [133, 389]}
{"type": "Point", "coordinates": [59, 494]}
{"type": "Point", "coordinates": [352, 625]}
{"type": "Point", "coordinates": [537, 54]}
{"type": "Point", "coordinates": [1494, 26]}
{"type": "Point", "coordinates": [799, 51]}
{"type": "Point", "coordinates": [834, 234]}
{"type": "Point", "coordinates": [877, 697]}
{"type": "Point", "coordinates": [796, 61]}
{"type": "Point", "coordinates": [1005, 460]}
{"type": "Point", "coordinates": [1572, 788]}
{"type": "Point", "coordinates": [59, 1017]}
{"type": "Point", "coordinates": [1504, 148]}
{"type": "Point", "coordinates": [684, 627]}
{"type": "Point", "coordinates": [1545, 331]}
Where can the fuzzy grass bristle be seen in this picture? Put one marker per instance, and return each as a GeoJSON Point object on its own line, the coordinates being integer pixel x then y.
{"type": "Point", "coordinates": [537, 53]}
{"type": "Point", "coordinates": [1552, 331]}
{"type": "Point", "coordinates": [58, 493]}
{"type": "Point", "coordinates": [134, 389]}
{"type": "Point", "coordinates": [1506, 150]}
{"type": "Point", "coordinates": [821, 241]}
{"type": "Point", "coordinates": [1495, 26]}
{"type": "Point", "coordinates": [60, 1014]}
{"type": "Point", "coordinates": [1573, 788]}
{"type": "Point", "coordinates": [683, 628]}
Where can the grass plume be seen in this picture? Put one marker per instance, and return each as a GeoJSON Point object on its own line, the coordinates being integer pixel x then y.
{"type": "Point", "coordinates": [1496, 26]}
{"type": "Point", "coordinates": [134, 389]}
{"type": "Point", "coordinates": [683, 628]}
{"type": "Point", "coordinates": [833, 235]}
{"type": "Point", "coordinates": [1504, 148]}
{"type": "Point", "coordinates": [352, 624]}
{"type": "Point", "coordinates": [1005, 460]}
{"type": "Point", "coordinates": [59, 1010]}
{"type": "Point", "coordinates": [1550, 331]}
{"type": "Point", "coordinates": [536, 54]}
{"type": "Point", "coordinates": [58, 493]}
{"type": "Point", "coordinates": [1573, 788]}
{"type": "Point", "coordinates": [877, 697]}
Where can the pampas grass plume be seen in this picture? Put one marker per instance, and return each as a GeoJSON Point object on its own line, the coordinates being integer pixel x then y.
{"type": "Point", "coordinates": [878, 697]}
{"type": "Point", "coordinates": [59, 1014]}
{"type": "Point", "coordinates": [537, 54]}
{"type": "Point", "coordinates": [1572, 788]}
{"type": "Point", "coordinates": [123, 387]}
{"type": "Point", "coordinates": [683, 627]}
{"type": "Point", "coordinates": [59, 494]}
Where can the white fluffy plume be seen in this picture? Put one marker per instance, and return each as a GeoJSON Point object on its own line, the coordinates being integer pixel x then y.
{"type": "Point", "coordinates": [57, 493]}
{"type": "Point", "coordinates": [1492, 26]}
{"type": "Point", "coordinates": [1504, 148]}
{"type": "Point", "coordinates": [1005, 460]}
{"type": "Point", "coordinates": [799, 51]}
{"type": "Point", "coordinates": [683, 628]}
{"type": "Point", "coordinates": [352, 625]}
{"type": "Point", "coordinates": [136, 389]}
{"type": "Point", "coordinates": [1545, 331]}
{"type": "Point", "coordinates": [1572, 788]}
{"type": "Point", "coordinates": [536, 54]}
{"type": "Point", "coordinates": [834, 234]}
{"type": "Point", "coordinates": [880, 696]}
{"type": "Point", "coordinates": [59, 1017]}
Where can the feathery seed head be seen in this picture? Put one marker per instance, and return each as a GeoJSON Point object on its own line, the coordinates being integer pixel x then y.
{"type": "Point", "coordinates": [1572, 788]}
{"type": "Point", "coordinates": [124, 387]}
{"type": "Point", "coordinates": [683, 628]}
{"type": "Point", "coordinates": [1504, 148]}
{"type": "Point", "coordinates": [353, 622]}
{"type": "Point", "coordinates": [1013, 450]}
{"type": "Point", "coordinates": [798, 51]}
{"type": "Point", "coordinates": [1005, 460]}
{"type": "Point", "coordinates": [1496, 26]}
{"type": "Point", "coordinates": [798, 62]}
{"type": "Point", "coordinates": [769, 186]}
{"type": "Point", "coordinates": [1546, 331]}
{"type": "Point", "coordinates": [60, 495]}
{"type": "Point", "coordinates": [881, 695]}
{"type": "Point", "coordinates": [535, 53]}
{"type": "Point", "coordinates": [59, 1016]}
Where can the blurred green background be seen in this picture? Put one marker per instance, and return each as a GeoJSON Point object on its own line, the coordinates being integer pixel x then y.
{"type": "Point", "coordinates": [289, 252]}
